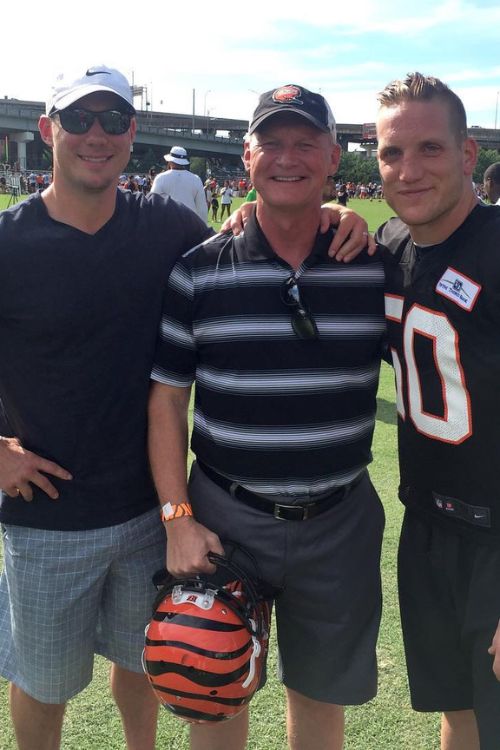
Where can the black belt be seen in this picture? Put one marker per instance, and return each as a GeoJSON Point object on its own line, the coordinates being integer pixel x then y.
{"type": "Point", "coordinates": [278, 510]}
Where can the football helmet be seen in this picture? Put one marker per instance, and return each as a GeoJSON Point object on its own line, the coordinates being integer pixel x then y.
{"type": "Point", "coordinates": [207, 642]}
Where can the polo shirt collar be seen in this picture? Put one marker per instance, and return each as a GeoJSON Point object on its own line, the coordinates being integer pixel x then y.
{"type": "Point", "coordinates": [253, 245]}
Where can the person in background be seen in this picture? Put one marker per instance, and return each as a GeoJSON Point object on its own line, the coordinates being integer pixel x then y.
{"type": "Point", "coordinates": [242, 187]}
{"type": "Point", "coordinates": [131, 184]}
{"type": "Point", "coordinates": [491, 183]}
{"type": "Point", "coordinates": [214, 204]}
{"type": "Point", "coordinates": [329, 190]}
{"type": "Point", "coordinates": [226, 198]}
{"type": "Point", "coordinates": [251, 195]}
{"type": "Point", "coordinates": [208, 193]}
{"type": "Point", "coordinates": [181, 184]}
{"type": "Point", "coordinates": [342, 195]}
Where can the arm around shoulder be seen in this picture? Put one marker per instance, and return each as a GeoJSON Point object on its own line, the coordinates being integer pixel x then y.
{"type": "Point", "coordinates": [352, 234]}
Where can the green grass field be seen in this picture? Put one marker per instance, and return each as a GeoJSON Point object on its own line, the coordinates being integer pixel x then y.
{"type": "Point", "coordinates": [5, 200]}
{"type": "Point", "coordinates": [386, 723]}
{"type": "Point", "coordinates": [374, 212]}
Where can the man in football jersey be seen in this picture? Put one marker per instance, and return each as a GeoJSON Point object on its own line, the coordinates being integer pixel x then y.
{"type": "Point", "coordinates": [443, 312]}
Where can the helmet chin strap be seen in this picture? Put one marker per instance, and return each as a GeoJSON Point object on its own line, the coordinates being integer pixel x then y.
{"type": "Point", "coordinates": [257, 648]}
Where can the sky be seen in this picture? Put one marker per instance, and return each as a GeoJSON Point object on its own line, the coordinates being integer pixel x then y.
{"type": "Point", "coordinates": [228, 52]}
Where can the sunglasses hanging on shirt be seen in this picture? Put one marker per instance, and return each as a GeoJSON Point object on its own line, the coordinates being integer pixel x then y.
{"type": "Point", "coordinates": [303, 324]}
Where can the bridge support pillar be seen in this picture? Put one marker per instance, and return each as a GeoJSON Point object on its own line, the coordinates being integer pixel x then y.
{"type": "Point", "coordinates": [370, 149]}
{"type": "Point", "coordinates": [21, 139]}
{"type": "Point", "coordinates": [343, 141]}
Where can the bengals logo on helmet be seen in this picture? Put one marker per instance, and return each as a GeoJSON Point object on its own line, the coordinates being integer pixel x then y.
{"type": "Point", "coordinates": [206, 645]}
{"type": "Point", "coordinates": [288, 95]}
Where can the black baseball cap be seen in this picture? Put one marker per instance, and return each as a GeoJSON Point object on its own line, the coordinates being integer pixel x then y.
{"type": "Point", "coordinates": [297, 99]}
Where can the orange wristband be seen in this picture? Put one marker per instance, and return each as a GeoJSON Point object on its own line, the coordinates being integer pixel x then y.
{"type": "Point", "coordinates": [171, 511]}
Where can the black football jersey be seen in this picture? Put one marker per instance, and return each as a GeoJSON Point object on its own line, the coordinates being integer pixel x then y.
{"type": "Point", "coordinates": [443, 314]}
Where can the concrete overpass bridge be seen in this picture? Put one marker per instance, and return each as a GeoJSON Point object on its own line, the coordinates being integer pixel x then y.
{"type": "Point", "coordinates": [158, 131]}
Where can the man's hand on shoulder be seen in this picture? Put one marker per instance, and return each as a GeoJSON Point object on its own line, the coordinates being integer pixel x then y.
{"type": "Point", "coordinates": [20, 468]}
{"type": "Point", "coordinates": [236, 222]}
{"type": "Point", "coordinates": [352, 235]}
{"type": "Point", "coordinates": [188, 543]}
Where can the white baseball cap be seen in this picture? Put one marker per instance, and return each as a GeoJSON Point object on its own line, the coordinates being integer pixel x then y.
{"type": "Point", "coordinates": [67, 90]}
{"type": "Point", "coordinates": [178, 155]}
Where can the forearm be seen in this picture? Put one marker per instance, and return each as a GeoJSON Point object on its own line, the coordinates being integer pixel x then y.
{"type": "Point", "coordinates": [168, 441]}
{"type": "Point", "coordinates": [188, 542]}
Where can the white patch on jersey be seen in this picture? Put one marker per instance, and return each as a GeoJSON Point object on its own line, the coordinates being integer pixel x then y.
{"type": "Point", "coordinates": [394, 307]}
{"type": "Point", "coordinates": [459, 288]}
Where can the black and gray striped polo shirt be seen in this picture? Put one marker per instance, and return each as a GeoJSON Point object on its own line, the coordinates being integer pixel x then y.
{"type": "Point", "coordinates": [277, 414]}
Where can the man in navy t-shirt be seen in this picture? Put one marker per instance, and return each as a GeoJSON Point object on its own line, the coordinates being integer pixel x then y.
{"type": "Point", "coordinates": [83, 268]}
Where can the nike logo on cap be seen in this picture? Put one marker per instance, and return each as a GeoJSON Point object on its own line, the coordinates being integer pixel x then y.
{"type": "Point", "coordinates": [97, 72]}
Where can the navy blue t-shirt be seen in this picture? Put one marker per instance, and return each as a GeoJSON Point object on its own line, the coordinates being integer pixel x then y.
{"type": "Point", "coordinates": [79, 316]}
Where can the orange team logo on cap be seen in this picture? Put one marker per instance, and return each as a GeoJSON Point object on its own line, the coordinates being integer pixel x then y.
{"type": "Point", "coordinates": [287, 94]}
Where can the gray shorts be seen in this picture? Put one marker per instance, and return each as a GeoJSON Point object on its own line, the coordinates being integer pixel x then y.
{"type": "Point", "coordinates": [67, 595]}
{"type": "Point", "coordinates": [328, 614]}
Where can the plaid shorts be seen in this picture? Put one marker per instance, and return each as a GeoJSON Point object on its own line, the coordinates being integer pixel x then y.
{"type": "Point", "coordinates": [67, 595]}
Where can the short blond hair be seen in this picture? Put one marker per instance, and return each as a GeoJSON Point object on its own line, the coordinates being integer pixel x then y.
{"type": "Point", "coordinates": [417, 87]}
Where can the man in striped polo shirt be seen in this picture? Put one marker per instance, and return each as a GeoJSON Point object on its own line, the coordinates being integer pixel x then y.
{"type": "Point", "coordinates": [284, 346]}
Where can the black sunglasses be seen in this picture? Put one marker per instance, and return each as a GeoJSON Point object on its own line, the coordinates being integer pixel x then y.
{"type": "Point", "coordinates": [303, 324]}
{"type": "Point", "coordinates": [79, 121]}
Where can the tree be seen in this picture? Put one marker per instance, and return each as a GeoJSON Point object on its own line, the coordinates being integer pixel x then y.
{"type": "Point", "coordinates": [357, 168]}
{"type": "Point", "coordinates": [140, 163]}
{"type": "Point", "coordinates": [199, 166]}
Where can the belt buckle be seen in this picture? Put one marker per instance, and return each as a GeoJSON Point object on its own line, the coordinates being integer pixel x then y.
{"type": "Point", "coordinates": [278, 508]}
